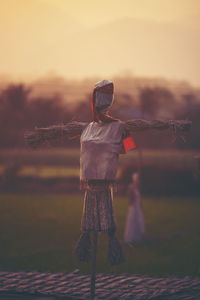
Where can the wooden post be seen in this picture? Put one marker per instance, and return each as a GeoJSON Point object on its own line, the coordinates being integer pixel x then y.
{"type": "Point", "coordinates": [93, 265]}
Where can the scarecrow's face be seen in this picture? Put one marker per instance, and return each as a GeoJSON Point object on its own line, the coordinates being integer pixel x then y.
{"type": "Point", "coordinates": [102, 100]}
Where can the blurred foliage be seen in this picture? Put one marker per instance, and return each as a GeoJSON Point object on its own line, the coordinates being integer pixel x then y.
{"type": "Point", "coordinates": [57, 171]}
{"type": "Point", "coordinates": [23, 107]}
{"type": "Point", "coordinates": [10, 176]}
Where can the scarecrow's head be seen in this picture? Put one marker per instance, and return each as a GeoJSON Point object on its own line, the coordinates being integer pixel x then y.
{"type": "Point", "coordinates": [102, 98]}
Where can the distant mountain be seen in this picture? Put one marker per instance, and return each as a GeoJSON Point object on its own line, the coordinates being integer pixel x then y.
{"type": "Point", "coordinates": [142, 46]}
{"type": "Point", "coordinates": [61, 43]}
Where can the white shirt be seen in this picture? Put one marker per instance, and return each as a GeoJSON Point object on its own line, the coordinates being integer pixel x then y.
{"type": "Point", "coordinates": [100, 147]}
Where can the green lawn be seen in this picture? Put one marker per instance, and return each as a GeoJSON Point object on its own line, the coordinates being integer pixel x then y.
{"type": "Point", "coordinates": [71, 157]}
{"type": "Point", "coordinates": [66, 163]}
{"type": "Point", "coordinates": [39, 233]}
{"type": "Point", "coordinates": [45, 171]}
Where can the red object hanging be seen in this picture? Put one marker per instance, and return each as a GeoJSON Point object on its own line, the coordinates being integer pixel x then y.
{"type": "Point", "coordinates": [129, 143]}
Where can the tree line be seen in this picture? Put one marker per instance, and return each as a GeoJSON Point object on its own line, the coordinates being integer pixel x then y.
{"type": "Point", "coordinates": [19, 112]}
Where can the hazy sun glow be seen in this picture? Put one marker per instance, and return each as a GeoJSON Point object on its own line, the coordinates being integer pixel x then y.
{"type": "Point", "coordinates": [92, 37]}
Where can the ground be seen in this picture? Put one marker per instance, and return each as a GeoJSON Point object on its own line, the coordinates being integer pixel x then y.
{"type": "Point", "coordinates": [39, 232]}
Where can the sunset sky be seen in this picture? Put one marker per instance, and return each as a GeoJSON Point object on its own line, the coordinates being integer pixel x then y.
{"type": "Point", "coordinates": [85, 38]}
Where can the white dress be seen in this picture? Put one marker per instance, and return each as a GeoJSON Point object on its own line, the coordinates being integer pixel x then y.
{"type": "Point", "coordinates": [134, 230]}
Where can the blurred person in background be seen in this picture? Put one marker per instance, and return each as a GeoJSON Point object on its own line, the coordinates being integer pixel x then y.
{"type": "Point", "coordinates": [134, 228]}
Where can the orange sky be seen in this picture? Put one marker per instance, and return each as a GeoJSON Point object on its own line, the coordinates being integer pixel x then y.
{"type": "Point", "coordinates": [39, 36]}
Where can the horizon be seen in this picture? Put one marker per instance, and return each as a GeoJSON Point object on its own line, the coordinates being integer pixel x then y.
{"type": "Point", "coordinates": [78, 40]}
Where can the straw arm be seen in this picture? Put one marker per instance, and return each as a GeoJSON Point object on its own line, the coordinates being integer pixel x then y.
{"type": "Point", "coordinates": [74, 129]}
{"type": "Point", "coordinates": [39, 135]}
{"type": "Point", "coordinates": [141, 125]}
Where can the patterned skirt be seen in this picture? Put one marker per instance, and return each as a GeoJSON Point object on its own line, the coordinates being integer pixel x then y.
{"type": "Point", "coordinates": [98, 213]}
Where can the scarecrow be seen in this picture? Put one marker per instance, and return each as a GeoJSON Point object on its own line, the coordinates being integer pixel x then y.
{"type": "Point", "coordinates": [102, 141]}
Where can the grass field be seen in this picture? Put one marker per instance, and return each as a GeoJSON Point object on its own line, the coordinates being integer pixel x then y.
{"type": "Point", "coordinates": [39, 233]}
{"type": "Point", "coordinates": [66, 162]}
{"type": "Point", "coordinates": [71, 157]}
